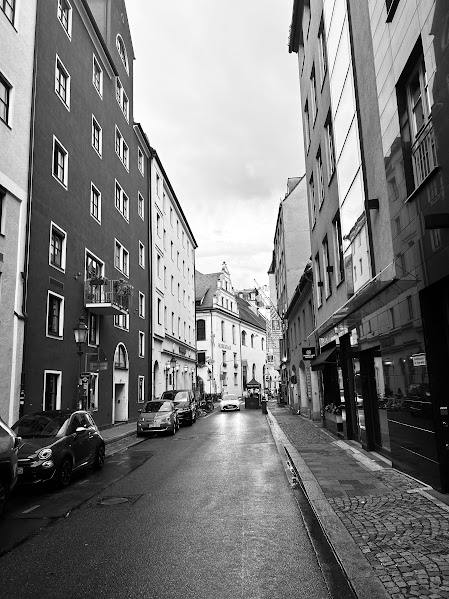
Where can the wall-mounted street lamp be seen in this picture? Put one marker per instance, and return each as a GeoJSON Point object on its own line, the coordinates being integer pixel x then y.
{"type": "Point", "coordinates": [173, 366]}
{"type": "Point", "coordinates": [80, 332]}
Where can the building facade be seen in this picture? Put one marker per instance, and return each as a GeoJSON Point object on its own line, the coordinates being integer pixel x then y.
{"type": "Point", "coordinates": [375, 139]}
{"type": "Point", "coordinates": [230, 334]}
{"type": "Point", "coordinates": [173, 288]}
{"type": "Point", "coordinates": [89, 252]}
{"type": "Point", "coordinates": [17, 31]}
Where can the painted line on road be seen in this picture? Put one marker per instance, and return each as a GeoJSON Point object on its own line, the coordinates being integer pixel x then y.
{"type": "Point", "coordinates": [30, 509]}
{"type": "Point", "coordinates": [83, 482]}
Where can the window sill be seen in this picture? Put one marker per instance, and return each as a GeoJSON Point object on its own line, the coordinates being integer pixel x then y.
{"type": "Point", "coordinates": [422, 184]}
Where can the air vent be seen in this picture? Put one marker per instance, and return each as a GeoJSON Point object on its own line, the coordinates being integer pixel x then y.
{"type": "Point", "coordinates": [56, 283]}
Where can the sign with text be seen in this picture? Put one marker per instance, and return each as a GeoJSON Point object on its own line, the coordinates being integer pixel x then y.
{"type": "Point", "coordinates": [308, 353]}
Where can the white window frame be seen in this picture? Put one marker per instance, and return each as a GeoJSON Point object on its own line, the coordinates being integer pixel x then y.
{"type": "Point", "coordinates": [60, 68]}
{"type": "Point", "coordinates": [60, 335]}
{"type": "Point", "coordinates": [123, 266]}
{"type": "Point", "coordinates": [118, 318]}
{"type": "Point", "coordinates": [140, 162]}
{"type": "Point", "coordinates": [68, 6]}
{"type": "Point", "coordinates": [9, 100]}
{"type": "Point", "coordinates": [94, 376]}
{"type": "Point", "coordinates": [96, 127]}
{"type": "Point", "coordinates": [94, 258]}
{"type": "Point", "coordinates": [141, 305]}
{"type": "Point", "coordinates": [141, 344]}
{"type": "Point", "coordinates": [98, 192]}
{"type": "Point", "coordinates": [59, 388]}
{"type": "Point", "coordinates": [97, 330]}
{"type": "Point", "coordinates": [120, 44]}
{"type": "Point", "coordinates": [65, 154]}
{"type": "Point", "coordinates": [121, 201]}
{"type": "Point", "coordinates": [122, 98]}
{"type": "Point", "coordinates": [140, 389]}
{"type": "Point", "coordinates": [63, 235]}
{"type": "Point", "coordinates": [141, 205]}
{"type": "Point", "coordinates": [121, 148]}
{"type": "Point", "coordinates": [99, 87]}
{"type": "Point", "coordinates": [141, 255]}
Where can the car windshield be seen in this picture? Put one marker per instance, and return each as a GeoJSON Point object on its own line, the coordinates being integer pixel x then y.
{"type": "Point", "coordinates": [158, 406]}
{"type": "Point", "coordinates": [168, 394]}
{"type": "Point", "coordinates": [40, 425]}
{"type": "Point", "coordinates": [182, 403]}
{"type": "Point", "coordinates": [230, 397]}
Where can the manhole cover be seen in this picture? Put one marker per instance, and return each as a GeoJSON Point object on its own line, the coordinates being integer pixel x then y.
{"type": "Point", "coordinates": [114, 500]}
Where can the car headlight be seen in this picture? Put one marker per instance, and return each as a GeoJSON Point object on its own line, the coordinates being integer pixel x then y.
{"type": "Point", "coordinates": [45, 454]}
{"type": "Point", "coordinates": [142, 419]}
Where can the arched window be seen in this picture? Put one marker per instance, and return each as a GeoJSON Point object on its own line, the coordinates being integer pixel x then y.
{"type": "Point", "coordinates": [122, 51]}
{"type": "Point", "coordinates": [243, 337]}
{"type": "Point", "coordinates": [254, 371]}
{"type": "Point", "coordinates": [233, 333]}
{"type": "Point", "coordinates": [252, 340]}
{"type": "Point", "coordinates": [200, 330]}
{"type": "Point", "coordinates": [120, 360]}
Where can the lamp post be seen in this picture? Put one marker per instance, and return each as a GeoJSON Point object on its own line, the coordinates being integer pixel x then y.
{"type": "Point", "coordinates": [80, 331]}
{"type": "Point", "coordinates": [173, 366]}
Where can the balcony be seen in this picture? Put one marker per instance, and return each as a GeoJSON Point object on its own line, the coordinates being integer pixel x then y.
{"type": "Point", "coordinates": [424, 154]}
{"type": "Point", "coordinates": [108, 297]}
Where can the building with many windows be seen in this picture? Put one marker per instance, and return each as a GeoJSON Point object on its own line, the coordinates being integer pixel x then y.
{"type": "Point", "coordinates": [17, 30]}
{"type": "Point", "coordinates": [88, 253]}
{"type": "Point", "coordinates": [173, 288]}
{"type": "Point", "coordinates": [230, 335]}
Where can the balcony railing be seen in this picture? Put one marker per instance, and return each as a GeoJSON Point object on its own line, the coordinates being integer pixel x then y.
{"type": "Point", "coordinates": [424, 154]}
{"type": "Point", "coordinates": [108, 296]}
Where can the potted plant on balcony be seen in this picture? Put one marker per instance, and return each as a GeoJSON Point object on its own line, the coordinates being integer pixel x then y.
{"type": "Point", "coordinates": [97, 280]}
{"type": "Point", "coordinates": [123, 289]}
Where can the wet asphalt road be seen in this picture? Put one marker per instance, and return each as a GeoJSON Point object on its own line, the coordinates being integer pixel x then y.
{"type": "Point", "coordinates": [207, 513]}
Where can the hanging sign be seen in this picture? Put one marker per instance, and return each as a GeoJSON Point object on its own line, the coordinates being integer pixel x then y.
{"type": "Point", "coordinates": [308, 353]}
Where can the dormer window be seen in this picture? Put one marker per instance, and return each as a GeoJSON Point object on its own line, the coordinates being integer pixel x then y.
{"type": "Point", "coordinates": [122, 51]}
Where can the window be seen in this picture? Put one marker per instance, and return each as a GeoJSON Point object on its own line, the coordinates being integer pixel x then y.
{"type": "Point", "coordinates": [177, 259]}
{"type": "Point", "coordinates": [171, 216]}
{"type": "Point", "coordinates": [60, 163]}
{"type": "Point", "coordinates": [322, 52]}
{"type": "Point", "coordinates": [121, 201]}
{"type": "Point", "coordinates": [330, 146]}
{"type": "Point", "coordinates": [159, 310]}
{"type": "Point", "coordinates": [62, 82]}
{"type": "Point", "coordinates": [165, 277]}
{"type": "Point", "coordinates": [94, 266]}
{"type": "Point", "coordinates": [233, 334]}
{"type": "Point", "coordinates": [222, 330]}
{"type": "Point", "coordinates": [312, 201]}
{"type": "Point", "coordinates": [141, 304]}
{"type": "Point", "coordinates": [262, 342]}
{"type": "Point", "coordinates": [121, 262]}
{"type": "Point", "coordinates": [122, 51]}
{"type": "Point", "coordinates": [201, 330]}
{"type": "Point", "coordinates": [94, 329]}
{"type": "Point", "coordinates": [140, 206]}
{"type": "Point", "coordinates": [95, 203]}
{"type": "Point", "coordinates": [5, 100]}
{"type": "Point", "coordinates": [121, 148]}
{"type": "Point", "coordinates": [313, 101]}
{"type": "Point", "coordinates": [179, 292]}
{"type": "Point", "coordinates": [172, 285]}
{"type": "Point", "coordinates": [171, 250]}
{"type": "Point", "coordinates": [65, 16]}
{"type": "Point", "coordinates": [52, 390]}
{"type": "Point", "coordinates": [141, 389]}
{"type": "Point", "coordinates": [320, 178]}
{"type": "Point", "coordinates": [158, 185]}
{"type": "Point", "coordinates": [97, 136]}
{"type": "Point", "coordinates": [307, 125]}
{"type": "Point", "coordinates": [55, 315]}
{"type": "Point", "coordinates": [318, 281]}
{"type": "Point", "coordinates": [122, 98]}
{"type": "Point", "coordinates": [57, 247]}
{"type": "Point", "coordinates": [141, 254]}
{"type": "Point", "coordinates": [120, 360]}
{"type": "Point", "coordinates": [327, 269]}
{"type": "Point", "coordinates": [158, 266]}
{"type": "Point", "coordinates": [201, 358]}
{"type": "Point", "coordinates": [252, 340]}
{"type": "Point", "coordinates": [173, 323]}
{"type": "Point", "coordinates": [121, 321]}
{"type": "Point", "coordinates": [338, 250]}
{"type": "Point", "coordinates": [97, 77]}
{"type": "Point", "coordinates": [140, 162]}
{"type": "Point", "coordinates": [410, 307]}
{"type": "Point", "coordinates": [243, 337]}
{"type": "Point", "coordinates": [141, 344]}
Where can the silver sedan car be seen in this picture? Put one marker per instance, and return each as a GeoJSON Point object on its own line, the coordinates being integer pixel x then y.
{"type": "Point", "coordinates": [230, 402]}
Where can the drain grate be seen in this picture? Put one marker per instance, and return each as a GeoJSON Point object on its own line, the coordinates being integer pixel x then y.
{"type": "Point", "coordinates": [115, 501]}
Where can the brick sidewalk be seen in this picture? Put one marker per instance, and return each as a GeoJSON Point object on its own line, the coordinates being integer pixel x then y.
{"type": "Point", "coordinates": [401, 531]}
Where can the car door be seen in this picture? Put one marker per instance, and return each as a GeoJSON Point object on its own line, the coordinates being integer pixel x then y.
{"type": "Point", "coordinates": [80, 442]}
{"type": "Point", "coordinates": [94, 435]}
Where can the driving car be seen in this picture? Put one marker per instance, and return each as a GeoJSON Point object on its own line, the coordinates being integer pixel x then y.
{"type": "Point", "coordinates": [158, 416]}
{"type": "Point", "coordinates": [9, 445]}
{"type": "Point", "coordinates": [57, 443]}
{"type": "Point", "coordinates": [186, 406]}
{"type": "Point", "coordinates": [229, 402]}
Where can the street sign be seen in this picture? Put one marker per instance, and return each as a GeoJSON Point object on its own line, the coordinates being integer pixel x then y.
{"type": "Point", "coordinates": [308, 353]}
{"type": "Point", "coordinates": [98, 365]}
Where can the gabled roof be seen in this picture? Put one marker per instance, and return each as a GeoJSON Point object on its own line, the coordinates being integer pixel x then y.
{"type": "Point", "coordinates": [205, 287]}
{"type": "Point", "coordinates": [248, 316]}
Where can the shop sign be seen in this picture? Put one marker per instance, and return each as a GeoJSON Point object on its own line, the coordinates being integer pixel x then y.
{"type": "Point", "coordinates": [308, 353]}
{"type": "Point", "coordinates": [223, 346]}
{"type": "Point", "coordinates": [419, 360]}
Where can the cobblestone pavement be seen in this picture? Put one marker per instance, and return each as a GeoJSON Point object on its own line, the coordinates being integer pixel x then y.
{"type": "Point", "coordinates": [399, 527]}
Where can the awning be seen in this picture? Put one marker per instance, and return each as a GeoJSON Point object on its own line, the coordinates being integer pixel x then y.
{"type": "Point", "coordinates": [325, 357]}
{"type": "Point", "coordinates": [253, 383]}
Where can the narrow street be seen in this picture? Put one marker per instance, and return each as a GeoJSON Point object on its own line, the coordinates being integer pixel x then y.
{"type": "Point", "coordinates": [207, 513]}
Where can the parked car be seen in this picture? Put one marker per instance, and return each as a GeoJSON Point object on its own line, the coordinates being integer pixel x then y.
{"type": "Point", "coordinates": [229, 402]}
{"type": "Point", "coordinates": [57, 443]}
{"type": "Point", "coordinates": [186, 406]}
{"type": "Point", "coordinates": [9, 446]}
{"type": "Point", "coordinates": [158, 416]}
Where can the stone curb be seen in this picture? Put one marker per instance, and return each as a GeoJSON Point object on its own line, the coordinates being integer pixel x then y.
{"type": "Point", "coordinates": [356, 567]}
{"type": "Point", "coordinates": [119, 437]}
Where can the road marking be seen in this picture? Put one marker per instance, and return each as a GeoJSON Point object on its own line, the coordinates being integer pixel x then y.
{"type": "Point", "coordinates": [83, 482]}
{"type": "Point", "coordinates": [30, 509]}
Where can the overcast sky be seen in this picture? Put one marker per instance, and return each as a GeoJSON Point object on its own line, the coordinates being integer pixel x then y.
{"type": "Point", "coordinates": [217, 93]}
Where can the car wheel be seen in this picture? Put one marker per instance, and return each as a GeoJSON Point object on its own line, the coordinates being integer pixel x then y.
{"type": "Point", "coordinates": [100, 457]}
{"type": "Point", "coordinates": [3, 493]}
{"type": "Point", "coordinates": [64, 474]}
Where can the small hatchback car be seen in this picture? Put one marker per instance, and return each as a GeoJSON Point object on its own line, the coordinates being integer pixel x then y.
{"type": "Point", "coordinates": [9, 445]}
{"type": "Point", "coordinates": [57, 443]}
{"type": "Point", "coordinates": [158, 416]}
{"type": "Point", "coordinates": [230, 402]}
{"type": "Point", "coordinates": [185, 404]}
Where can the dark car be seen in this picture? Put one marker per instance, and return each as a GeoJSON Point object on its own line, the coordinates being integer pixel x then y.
{"type": "Point", "coordinates": [9, 445]}
{"type": "Point", "coordinates": [57, 443]}
{"type": "Point", "coordinates": [158, 416]}
{"type": "Point", "coordinates": [186, 406]}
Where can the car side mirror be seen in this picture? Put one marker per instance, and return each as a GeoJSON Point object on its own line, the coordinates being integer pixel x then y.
{"type": "Point", "coordinates": [139, 411]}
{"type": "Point", "coordinates": [17, 442]}
{"type": "Point", "coordinates": [79, 429]}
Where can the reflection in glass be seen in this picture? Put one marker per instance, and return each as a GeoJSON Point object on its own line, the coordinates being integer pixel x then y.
{"type": "Point", "coordinates": [345, 113]}
{"type": "Point", "coordinates": [335, 27]}
{"type": "Point", "coordinates": [352, 209]}
{"type": "Point", "coordinates": [349, 162]}
{"type": "Point", "coordinates": [341, 66]}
